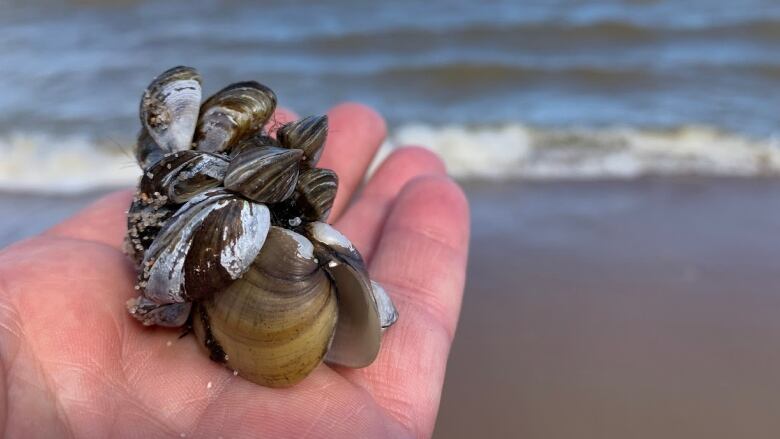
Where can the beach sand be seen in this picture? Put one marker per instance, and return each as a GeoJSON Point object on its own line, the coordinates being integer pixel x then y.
{"type": "Point", "coordinates": [645, 309]}
{"type": "Point", "coordinates": [636, 309]}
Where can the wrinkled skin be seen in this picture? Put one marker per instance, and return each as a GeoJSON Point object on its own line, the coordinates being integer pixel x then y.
{"type": "Point", "coordinates": [75, 364]}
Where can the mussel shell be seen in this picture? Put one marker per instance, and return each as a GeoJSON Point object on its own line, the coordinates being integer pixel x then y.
{"type": "Point", "coordinates": [146, 216]}
{"type": "Point", "coordinates": [358, 333]}
{"type": "Point", "coordinates": [274, 325]}
{"type": "Point", "coordinates": [172, 179]}
{"type": "Point", "coordinates": [388, 314]}
{"type": "Point", "coordinates": [230, 249]}
{"type": "Point", "coordinates": [264, 175]}
{"type": "Point", "coordinates": [151, 313]}
{"type": "Point", "coordinates": [147, 151]}
{"type": "Point", "coordinates": [224, 246]}
{"type": "Point", "coordinates": [169, 110]}
{"type": "Point", "coordinates": [314, 193]}
{"type": "Point", "coordinates": [307, 134]}
{"type": "Point", "coordinates": [325, 237]}
{"type": "Point", "coordinates": [260, 140]}
{"type": "Point", "coordinates": [181, 175]}
{"type": "Point", "coordinates": [234, 112]}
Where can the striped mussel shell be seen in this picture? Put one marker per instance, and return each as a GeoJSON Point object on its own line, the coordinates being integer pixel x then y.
{"type": "Point", "coordinates": [308, 135]}
{"type": "Point", "coordinates": [170, 181]}
{"type": "Point", "coordinates": [233, 113]}
{"type": "Point", "coordinates": [179, 176]}
{"type": "Point", "coordinates": [169, 111]}
{"type": "Point", "coordinates": [228, 234]}
{"type": "Point", "coordinates": [315, 193]}
{"type": "Point", "coordinates": [264, 174]}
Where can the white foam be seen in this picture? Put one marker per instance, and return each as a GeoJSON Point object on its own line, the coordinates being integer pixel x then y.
{"type": "Point", "coordinates": [53, 164]}
{"type": "Point", "coordinates": [519, 151]}
{"type": "Point", "coordinates": [44, 163]}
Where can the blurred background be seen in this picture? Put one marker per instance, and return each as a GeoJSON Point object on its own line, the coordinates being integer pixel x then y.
{"type": "Point", "coordinates": [620, 156]}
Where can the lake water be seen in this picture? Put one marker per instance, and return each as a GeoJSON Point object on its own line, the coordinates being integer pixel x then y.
{"type": "Point", "coordinates": [537, 89]}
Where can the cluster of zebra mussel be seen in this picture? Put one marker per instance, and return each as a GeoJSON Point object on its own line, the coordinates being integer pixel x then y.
{"type": "Point", "coordinates": [228, 233]}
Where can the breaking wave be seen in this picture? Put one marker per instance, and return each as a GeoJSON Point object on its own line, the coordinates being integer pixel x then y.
{"type": "Point", "coordinates": [520, 151]}
{"type": "Point", "coordinates": [41, 163]}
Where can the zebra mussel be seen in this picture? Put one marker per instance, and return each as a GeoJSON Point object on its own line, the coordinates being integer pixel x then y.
{"type": "Point", "coordinates": [228, 232]}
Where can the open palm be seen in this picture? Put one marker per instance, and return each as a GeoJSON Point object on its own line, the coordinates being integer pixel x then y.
{"type": "Point", "coordinates": [75, 364]}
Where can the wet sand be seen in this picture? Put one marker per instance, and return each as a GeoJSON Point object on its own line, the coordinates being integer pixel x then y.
{"type": "Point", "coordinates": [639, 309]}
{"type": "Point", "coordinates": [644, 309]}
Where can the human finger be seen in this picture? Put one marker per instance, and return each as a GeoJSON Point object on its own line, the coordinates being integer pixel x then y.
{"type": "Point", "coordinates": [421, 262]}
{"type": "Point", "coordinates": [364, 219]}
{"type": "Point", "coordinates": [355, 133]}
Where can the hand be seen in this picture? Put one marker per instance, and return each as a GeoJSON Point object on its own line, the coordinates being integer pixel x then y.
{"type": "Point", "coordinates": [74, 363]}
